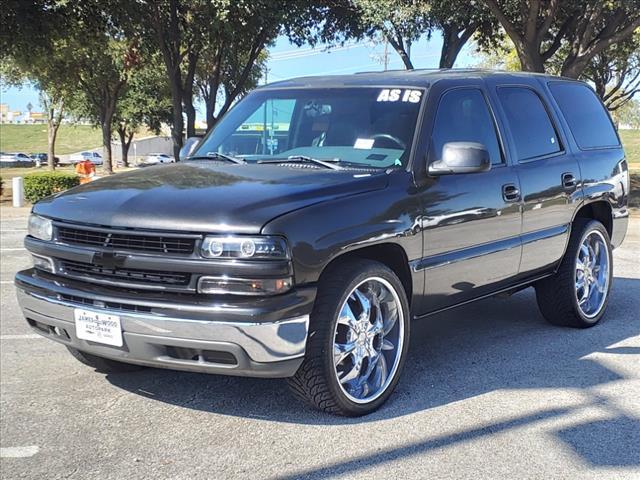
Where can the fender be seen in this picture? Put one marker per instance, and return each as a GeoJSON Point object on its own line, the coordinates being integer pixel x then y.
{"type": "Point", "coordinates": [320, 233]}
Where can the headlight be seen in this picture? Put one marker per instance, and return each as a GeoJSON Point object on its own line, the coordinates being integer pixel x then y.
{"type": "Point", "coordinates": [40, 227]}
{"type": "Point", "coordinates": [259, 248]}
{"type": "Point", "coordinates": [243, 286]}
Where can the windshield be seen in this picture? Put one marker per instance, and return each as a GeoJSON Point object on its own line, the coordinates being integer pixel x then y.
{"type": "Point", "coordinates": [363, 127]}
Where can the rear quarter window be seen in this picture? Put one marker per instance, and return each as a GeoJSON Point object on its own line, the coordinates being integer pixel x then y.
{"type": "Point", "coordinates": [586, 116]}
{"type": "Point", "coordinates": [533, 132]}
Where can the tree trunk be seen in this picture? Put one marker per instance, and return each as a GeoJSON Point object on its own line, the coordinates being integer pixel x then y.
{"type": "Point", "coordinates": [125, 143]}
{"type": "Point", "coordinates": [107, 165]}
{"type": "Point", "coordinates": [450, 48]}
{"type": "Point", "coordinates": [177, 126]}
{"type": "Point", "coordinates": [190, 112]}
{"type": "Point", "coordinates": [530, 58]}
{"type": "Point", "coordinates": [187, 93]}
{"type": "Point", "coordinates": [573, 68]}
{"type": "Point", "coordinates": [211, 119]}
{"type": "Point", "coordinates": [52, 131]}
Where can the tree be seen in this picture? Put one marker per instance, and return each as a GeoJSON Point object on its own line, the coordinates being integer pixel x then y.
{"type": "Point", "coordinates": [539, 28]}
{"type": "Point", "coordinates": [400, 23]}
{"type": "Point", "coordinates": [182, 31]}
{"type": "Point", "coordinates": [628, 115]}
{"type": "Point", "coordinates": [54, 108]}
{"type": "Point", "coordinates": [145, 102]}
{"type": "Point", "coordinates": [403, 22]}
{"type": "Point", "coordinates": [222, 76]}
{"type": "Point", "coordinates": [615, 72]}
{"type": "Point", "coordinates": [31, 33]}
{"type": "Point", "coordinates": [459, 22]}
{"type": "Point", "coordinates": [501, 55]}
{"type": "Point", "coordinates": [102, 67]}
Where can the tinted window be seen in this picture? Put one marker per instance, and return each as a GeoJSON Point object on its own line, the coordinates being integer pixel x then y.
{"type": "Point", "coordinates": [585, 115]}
{"type": "Point", "coordinates": [463, 116]}
{"type": "Point", "coordinates": [529, 122]}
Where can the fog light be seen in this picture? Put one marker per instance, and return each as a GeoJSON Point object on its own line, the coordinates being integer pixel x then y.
{"type": "Point", "coordinates": [243, 286]}
{"type": "Point", "coordinates": [42, 263]}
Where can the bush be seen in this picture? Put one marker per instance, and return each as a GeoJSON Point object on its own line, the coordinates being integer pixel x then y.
{"type": "Point", "coordinates": [40, 185]}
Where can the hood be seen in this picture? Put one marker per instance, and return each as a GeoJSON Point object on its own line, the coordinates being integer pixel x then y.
{"type": "Point", "coordinates": [204, 196]}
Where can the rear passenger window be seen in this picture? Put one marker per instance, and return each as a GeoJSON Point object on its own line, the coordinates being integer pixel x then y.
{"type": "Point", "coordinates": [587, 118]}
{"type": "Point", "coordinates": [529, 122]}
{"type": "Point", "coordinates": [463, 116]}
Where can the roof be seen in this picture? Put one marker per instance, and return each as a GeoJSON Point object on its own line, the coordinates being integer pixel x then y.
{"type": "Point", "coordinates": [417, 77]}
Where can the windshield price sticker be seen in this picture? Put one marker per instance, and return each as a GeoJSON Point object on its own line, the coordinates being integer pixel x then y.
{"type": "Point", "coordinates": [399, 95]}
{"type": "Point", "coordinates": [364, 143]}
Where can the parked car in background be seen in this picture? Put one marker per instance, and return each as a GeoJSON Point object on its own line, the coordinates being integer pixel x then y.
{"type": "Point", "coordinates": [16, 158]}
{"type": "Point", "coordinates": [155, 158]}
{"type": "Point", "coordinates": [43, 158]}
{"type": "Point", "coordinates": [93, 157]}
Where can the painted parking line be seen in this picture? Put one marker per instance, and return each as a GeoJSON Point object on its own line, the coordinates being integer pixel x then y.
{"type": "Point", "coordinates": [19, 452]}
{"type": "Point", "coordinates": [17, 249]}
{"type": "Point", "coordinates": [26, 336]}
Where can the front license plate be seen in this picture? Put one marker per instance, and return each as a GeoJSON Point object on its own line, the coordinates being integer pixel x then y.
{"type": "Point", "coordinates": [98, 327]}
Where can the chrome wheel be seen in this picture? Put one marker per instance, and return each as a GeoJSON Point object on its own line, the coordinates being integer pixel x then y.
{"type": "Point", "coordinates": [368, 340]}
{"type": "Point", "coordinates": [592, 274]}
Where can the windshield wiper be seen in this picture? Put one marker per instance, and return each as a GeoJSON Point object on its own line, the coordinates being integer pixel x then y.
{"type": "Point", "coordinates": [304, 158]}
{"type": "Point", "coordinates": [218, 156]}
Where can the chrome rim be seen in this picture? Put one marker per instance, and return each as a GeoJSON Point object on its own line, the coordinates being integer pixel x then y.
{"type": "Point", "coordinates": [592, 274]}
{"type": "Point", "coordinates": [368, 340]}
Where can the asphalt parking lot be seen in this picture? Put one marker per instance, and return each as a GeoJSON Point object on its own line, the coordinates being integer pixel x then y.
{"type": "Point", "coordinates": [489, 391]}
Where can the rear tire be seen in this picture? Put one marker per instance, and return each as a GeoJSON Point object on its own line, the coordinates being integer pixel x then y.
{"type": "Point", "coordinates": [577, 295]}
{"type": "Point", "coordinates": [103, 365]}
{"type": "Point", "coordinates": [358, 340]}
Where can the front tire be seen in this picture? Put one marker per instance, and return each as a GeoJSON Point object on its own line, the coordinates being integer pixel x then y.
{"type": "Point", "coordinates": [358, 340]}
{"type": "Point", "coordinates": [577, 295]}
{"type": "Point", "coordinates": [102, 365]}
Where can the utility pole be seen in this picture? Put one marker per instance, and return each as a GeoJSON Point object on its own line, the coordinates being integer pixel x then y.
{"type": "Point", "coordinates": [386, 54]}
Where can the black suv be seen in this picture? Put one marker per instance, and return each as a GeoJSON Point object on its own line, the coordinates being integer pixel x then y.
{"type": "Point", "coordinates": [321, 216]}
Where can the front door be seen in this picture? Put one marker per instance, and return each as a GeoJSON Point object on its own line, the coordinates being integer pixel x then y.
{"type": "Point", "coordinates": [472, 222]}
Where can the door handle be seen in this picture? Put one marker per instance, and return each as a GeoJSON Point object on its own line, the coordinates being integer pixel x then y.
{"type": "Point", "coordinates": [510, 193]}
{"type": "Point", "coordinates": [568, 180]}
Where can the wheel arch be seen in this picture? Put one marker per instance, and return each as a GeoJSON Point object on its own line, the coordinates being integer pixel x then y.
{"type": "Point", "coordinates": [391, 255]}
{"type": "Point", "coordinates": [599, 210]}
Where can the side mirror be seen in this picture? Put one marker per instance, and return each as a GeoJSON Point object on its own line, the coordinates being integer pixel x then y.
{"type": "Point", "coordinates": [189, 147]}
{"type": "Point", "coordinates": [461, 157]}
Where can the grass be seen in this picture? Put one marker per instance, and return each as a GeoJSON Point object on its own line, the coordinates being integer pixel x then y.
{"type": "Point", "coordinates": [631, 142]}
{"type": "Point", "coordinates": [33, 138]}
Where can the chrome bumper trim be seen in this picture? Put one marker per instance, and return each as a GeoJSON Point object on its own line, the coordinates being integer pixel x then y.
{"type": "Point", "coordinates": [266, 349]}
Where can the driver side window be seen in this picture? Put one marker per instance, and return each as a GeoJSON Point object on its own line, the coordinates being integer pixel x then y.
{"type": "Point", "coordinates": [463, 116]}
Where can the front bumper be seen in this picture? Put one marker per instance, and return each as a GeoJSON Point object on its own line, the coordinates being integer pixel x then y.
{"type": "Point", "coordinates": [262, 337]}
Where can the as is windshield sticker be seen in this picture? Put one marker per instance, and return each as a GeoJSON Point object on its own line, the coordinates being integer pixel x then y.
{"type": "Point", "coordinates": [399, 95]}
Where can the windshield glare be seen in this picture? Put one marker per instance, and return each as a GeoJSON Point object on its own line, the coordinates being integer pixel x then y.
{"type": "Point", "coordinates": [366, 127]}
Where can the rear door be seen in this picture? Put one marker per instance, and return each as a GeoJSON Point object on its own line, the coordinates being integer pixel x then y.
{"type": "Point", "coordinates": [471, 221]}
{"type": "Point", "coordinates": [548, 172]}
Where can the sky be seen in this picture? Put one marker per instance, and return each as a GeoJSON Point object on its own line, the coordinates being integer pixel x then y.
{"type": "Point", "coordinates": [288, 61]}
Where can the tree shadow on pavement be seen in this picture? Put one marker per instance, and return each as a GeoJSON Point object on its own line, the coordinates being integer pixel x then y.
{"type": "Point", "coordinates": [482, 347]}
